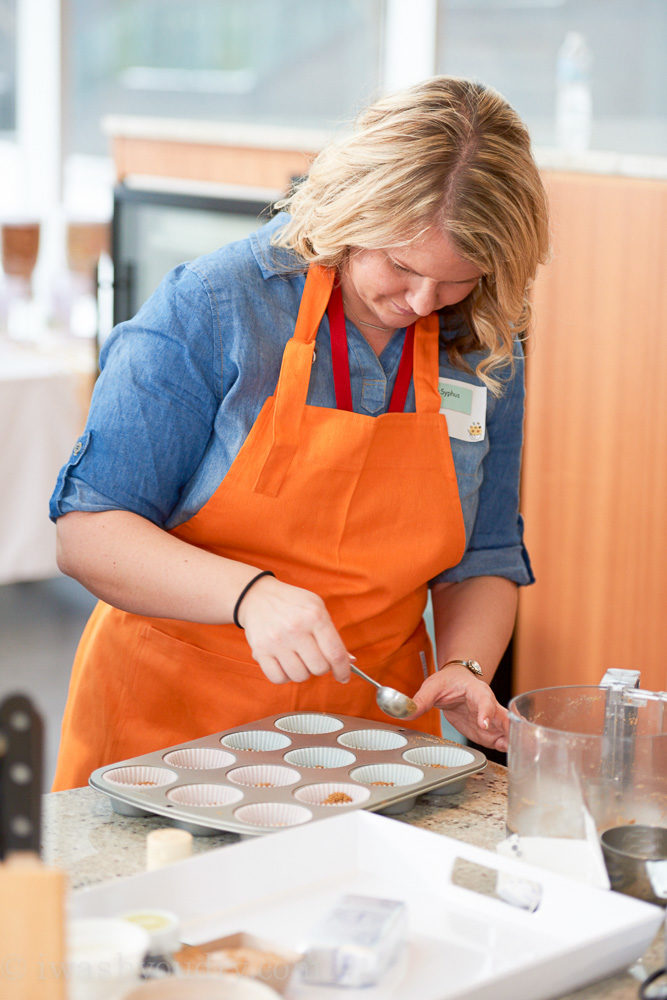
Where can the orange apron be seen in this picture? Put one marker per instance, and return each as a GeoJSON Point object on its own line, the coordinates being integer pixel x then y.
{"type": "Point", "coordinates": [361, 510]}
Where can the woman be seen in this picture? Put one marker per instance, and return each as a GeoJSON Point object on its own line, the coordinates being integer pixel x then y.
{"type": "Point", "coordinates": [266, 486]}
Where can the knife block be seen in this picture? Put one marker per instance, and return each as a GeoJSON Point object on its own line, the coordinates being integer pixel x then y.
{"type": "Point", "coordinates": [32, 930]}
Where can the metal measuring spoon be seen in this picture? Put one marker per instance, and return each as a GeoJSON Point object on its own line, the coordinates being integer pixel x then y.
{"type": "Point", "coordinates": [389, 700]}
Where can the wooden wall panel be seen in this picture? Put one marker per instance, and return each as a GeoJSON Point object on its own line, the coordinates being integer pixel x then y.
{"type": "Point", "coordinates": [594, 489]}
{"type": "Point", "coordinates": [268, 168]}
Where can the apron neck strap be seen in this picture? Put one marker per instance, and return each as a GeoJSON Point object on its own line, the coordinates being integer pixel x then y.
{"type": "Point", "coordinates": [297, 362]}
{"type": "Point", "coordinates": [427, 364]}
{"type": "Point", "coordinates": [292, 388]}
{"type": "Point", "coordinates": [314, 301]}
{"type": "Point", "coordinates": [419, 360]}
{"type": "Point", "coordinates": [341, 365]}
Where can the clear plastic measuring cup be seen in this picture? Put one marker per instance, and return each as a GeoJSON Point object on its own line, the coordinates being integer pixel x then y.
{"type": "Point", "coordinates": [582, 753]}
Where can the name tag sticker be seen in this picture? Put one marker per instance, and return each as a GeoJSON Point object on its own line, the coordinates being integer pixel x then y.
{"type": "Point", "coordinates": [464, 405]}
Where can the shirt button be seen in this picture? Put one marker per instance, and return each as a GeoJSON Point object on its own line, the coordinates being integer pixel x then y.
{"type": "Point", "coordinates": [77, 448]}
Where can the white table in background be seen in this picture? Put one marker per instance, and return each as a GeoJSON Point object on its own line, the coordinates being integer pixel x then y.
{"type": "Point", "coordinates": [44, 394]}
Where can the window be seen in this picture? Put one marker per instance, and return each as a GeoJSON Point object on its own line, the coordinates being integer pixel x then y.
{"type": "Point", "coordinates": [7, 65]}
{"type": "Point", "coordinates": [280, 62]}
{"type": "Point", "coordinates": [513, 46]}
{"type": "Point", "coordinates": [293, 63]}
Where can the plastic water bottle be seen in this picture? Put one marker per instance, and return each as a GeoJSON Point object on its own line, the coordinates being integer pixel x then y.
{"type": "Point", "coordinates": [574, 105]}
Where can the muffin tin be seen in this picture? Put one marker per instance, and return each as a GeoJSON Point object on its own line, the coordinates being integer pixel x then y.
{"type": "Point", "coordinates": [286, 770]}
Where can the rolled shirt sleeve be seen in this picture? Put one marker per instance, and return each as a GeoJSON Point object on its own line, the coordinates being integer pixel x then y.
{"type": "Point", "coordinates": [488, 483]}
{"type": "Point", "coordinates": [145, 438]}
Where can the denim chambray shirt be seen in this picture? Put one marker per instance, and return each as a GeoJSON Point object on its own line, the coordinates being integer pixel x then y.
{"type": "Point", "coordinates": [184, 380]}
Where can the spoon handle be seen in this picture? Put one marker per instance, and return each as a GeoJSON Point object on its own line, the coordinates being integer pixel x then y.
{"type": "Point", "coordinates": [360, 673]}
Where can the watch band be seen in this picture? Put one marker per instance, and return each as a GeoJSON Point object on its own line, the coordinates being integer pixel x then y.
{"type": "Point", "coordinates": [472, 665]}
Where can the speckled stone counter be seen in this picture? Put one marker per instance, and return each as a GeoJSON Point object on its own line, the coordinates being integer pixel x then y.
{"type": "Point", "coordinates": [92, 843]}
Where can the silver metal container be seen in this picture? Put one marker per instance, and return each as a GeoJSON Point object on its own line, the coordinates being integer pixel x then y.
{"type": "Point", "coordinates": [636, 860]}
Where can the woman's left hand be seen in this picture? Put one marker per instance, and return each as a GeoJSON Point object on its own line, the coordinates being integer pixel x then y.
{"type": "Point", "coordinates": [468, 703]}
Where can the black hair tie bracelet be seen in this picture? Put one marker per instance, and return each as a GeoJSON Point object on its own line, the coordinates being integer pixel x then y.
{"type": "Point", "coordinates": [251, 583]}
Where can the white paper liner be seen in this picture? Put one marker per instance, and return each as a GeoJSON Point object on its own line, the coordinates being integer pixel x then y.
{"type": "Point", "coordinates": [204, 796]}
{"type": "Point", "coordinates": [308, 723]}
{"type": "Point", "coordinates": [389, 774]}
{"type": "Point", "coordinates": [263, 776]}
{"type": "Point", "coordinates": [273, 814]}
{"type": "Point", "coordinates": [199, 758]}
{"type": "Point", "coordinates": [260, 740]}
{"type": "Point", "coordinates": [372, 739]}
{"type": "Point", "coordinates": [140, 776]}
{"type": "Point", "coordinates": [317, 795]}
{"type": "Point", "coordinates": [320, 757]}
{"type": "Point", "coordinates": [439, 756]}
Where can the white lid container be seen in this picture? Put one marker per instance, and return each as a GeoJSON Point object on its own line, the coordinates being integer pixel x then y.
{"type": "Point", "coordinates": [104, 957]}
{"type": "Point", "coordinates": [162, 926]}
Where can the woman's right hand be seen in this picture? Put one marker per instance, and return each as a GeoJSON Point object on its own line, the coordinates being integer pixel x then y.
{"type": "Point", "coordinates": [291, 634]}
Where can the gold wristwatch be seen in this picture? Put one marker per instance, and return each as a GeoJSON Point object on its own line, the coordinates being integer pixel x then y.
{"type": "Point", "coordinates": [472, 665]}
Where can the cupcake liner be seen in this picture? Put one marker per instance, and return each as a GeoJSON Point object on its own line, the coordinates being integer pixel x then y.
{"type": "Point", "coordinates": [140, 776]}
{"type": "Point", "coordinates": [319, 757]}
{"type": "Point", "coordinates": [204, 796]}
{"type": "Point", "coordinates": [199, 758]}
{"type": "Point", "coordinates": [261, 740]}
{"type": "Point", "coordinates": [439, 756]}
{"type": "Point", "coordinates": [273, 814]}
{"type": "Point", "coordinates": [309, 723]}
{"type": "Point", "coordinates": [263, 776]}
{"type": "Point", "coordinates": [372, 739]}
{"type": "Point", "coordinates": [386, 774]}
{"type": "Point", "coordinates": [332, 794]}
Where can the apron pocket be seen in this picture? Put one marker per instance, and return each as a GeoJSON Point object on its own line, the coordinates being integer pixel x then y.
{"type": "Point", "coordinates": [185, 652]}
{"type": "Point", "coordinates": [188, 692]}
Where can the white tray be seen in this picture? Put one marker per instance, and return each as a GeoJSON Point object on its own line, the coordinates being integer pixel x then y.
{"type": "Point", "coordinates": [462, 945]}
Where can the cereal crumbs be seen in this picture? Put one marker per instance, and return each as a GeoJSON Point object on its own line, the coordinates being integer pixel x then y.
{"type": "Point", "coordinates": [336, 799]}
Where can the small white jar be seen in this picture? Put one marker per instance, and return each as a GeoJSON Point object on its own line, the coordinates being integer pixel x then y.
{"type": "Point", "coordinates": [104, 957]}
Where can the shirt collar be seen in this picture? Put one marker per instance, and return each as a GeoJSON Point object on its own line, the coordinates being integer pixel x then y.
{"type": "Point", "coordinates": [273, 260]}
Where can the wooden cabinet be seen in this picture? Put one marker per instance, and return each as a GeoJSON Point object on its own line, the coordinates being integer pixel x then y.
{"type": "Point", "coordinates": [236, 154]}
{"type": "Point", "coordinates": [594, 488]}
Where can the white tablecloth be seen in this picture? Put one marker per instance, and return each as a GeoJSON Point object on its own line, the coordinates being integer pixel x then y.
{"type": "Point", "coordinates": [44, 391]}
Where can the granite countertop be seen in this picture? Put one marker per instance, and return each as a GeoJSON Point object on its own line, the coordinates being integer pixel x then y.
{"type": "Point", "coordinates": [84, 836]}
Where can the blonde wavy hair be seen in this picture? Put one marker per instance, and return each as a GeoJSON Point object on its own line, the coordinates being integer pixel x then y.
{"type": "Point", "coordinates": [448, 153]}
